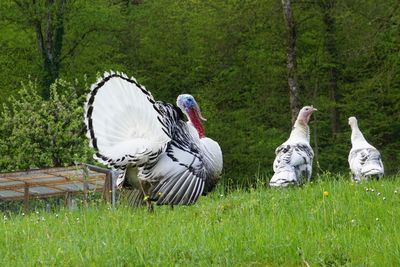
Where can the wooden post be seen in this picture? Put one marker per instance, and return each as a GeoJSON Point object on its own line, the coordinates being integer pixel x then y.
{"type": "Point", "coordinates": [68, 199]}
{"type": "Point", "coordinates": [26, 198]}
{"type": "Point", "coordinates": [85, 185]}
{"type": "Point", "coordinates": [107, 191]}
{"type": "Point", "coordinates": [109, 183]}
{"type": "Point", "coordinates": [113, 185]}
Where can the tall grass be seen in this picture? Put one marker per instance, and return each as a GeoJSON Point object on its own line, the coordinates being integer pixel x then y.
{"type": "Point", "coordinates": [352, 224]}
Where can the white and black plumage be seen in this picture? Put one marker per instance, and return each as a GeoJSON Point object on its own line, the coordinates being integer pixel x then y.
{"type": "Point", "coordinates": [364, 159]}
{"type": "Point", "coordinates": [294, 157]}
{"type": "Point", "coordinates": [156, 152]}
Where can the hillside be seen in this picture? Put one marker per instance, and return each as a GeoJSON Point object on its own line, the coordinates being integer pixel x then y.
{"type": "Point", "coordinates": [350, 224]}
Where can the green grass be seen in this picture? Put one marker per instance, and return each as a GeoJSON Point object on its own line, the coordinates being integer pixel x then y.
{"type": "Point", "coordinates": [258, 227]}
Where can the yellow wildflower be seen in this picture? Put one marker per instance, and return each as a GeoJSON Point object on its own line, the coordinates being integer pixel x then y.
{"type": "Point", "coordinates": [326, 193]}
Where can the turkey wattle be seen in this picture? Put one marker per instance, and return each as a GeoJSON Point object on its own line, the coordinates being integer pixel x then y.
{"type": "Point", "coordinates": [156, 153]}
{"type": "Point", "coordinates": [294, 157]}
{"type": "Point", "coordinates": [364, 159]}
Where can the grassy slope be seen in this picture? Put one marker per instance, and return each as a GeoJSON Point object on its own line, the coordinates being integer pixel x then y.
{"type": "Point", "coordinates": [261, 227]}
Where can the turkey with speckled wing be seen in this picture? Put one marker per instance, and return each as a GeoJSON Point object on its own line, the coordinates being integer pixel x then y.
{"type": "Point", "coordinates": [364, 159]}
{"type": "Point", "coordinates": [156, 152]}
{"type": "Point", "coordinates": [293, 162]}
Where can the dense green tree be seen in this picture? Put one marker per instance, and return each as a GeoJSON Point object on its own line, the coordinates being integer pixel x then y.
{"type": "Point", "coordinates": [62, 32]}
{"type": "Point", "coordinates": [231, 55]}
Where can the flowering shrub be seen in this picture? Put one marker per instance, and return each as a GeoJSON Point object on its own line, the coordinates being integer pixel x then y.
{"type": "Point", "coordinates": [36, 133]}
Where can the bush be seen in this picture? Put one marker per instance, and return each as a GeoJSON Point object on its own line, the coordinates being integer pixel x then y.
{"type": "Point", "coordinates": [37, 133]}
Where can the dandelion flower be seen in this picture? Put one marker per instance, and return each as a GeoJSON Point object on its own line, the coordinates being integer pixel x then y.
{"type": "Point", "coordinates": [326, 193]}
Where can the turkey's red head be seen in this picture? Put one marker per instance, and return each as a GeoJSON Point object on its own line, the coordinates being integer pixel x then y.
{"type": "Point", "coordinates": [191, 109]}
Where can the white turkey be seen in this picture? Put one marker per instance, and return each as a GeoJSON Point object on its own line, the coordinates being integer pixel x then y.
{"type": "Point", "coordinates": [364, 159]}
{"type": "Point", "coordinates": [294, 157]}
{"type": "Point", "coordinates": [157, 154]}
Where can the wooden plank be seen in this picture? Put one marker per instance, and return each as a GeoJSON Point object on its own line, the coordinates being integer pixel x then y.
{"type": "Point", "coordinates": [44, 196]}
{"type": "Point", "coordinates": [10, 194]}
{"type": "Point", "coordinates": [71, 177]}
{"type": "Point", "coordinates": [35, 171]}
{"type": "Point", "coordinates": [52, 183]}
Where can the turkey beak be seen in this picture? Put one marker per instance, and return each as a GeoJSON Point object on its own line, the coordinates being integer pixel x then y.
{"type": "Point", "coordinates": [197, 108]}
{"type": "Point", "coordinates": [201, 117]}
{"type": "Point", "coordinates": [314, 109]}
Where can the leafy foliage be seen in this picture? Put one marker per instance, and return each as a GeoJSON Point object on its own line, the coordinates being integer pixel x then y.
{"type": "Point", "coordinates": [43, 133]}
{"type": "Point", "coordinates": [231, 56]}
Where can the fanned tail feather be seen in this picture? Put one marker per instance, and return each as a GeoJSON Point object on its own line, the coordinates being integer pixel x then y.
{"type": "Point", "coordinates": [115, 130]}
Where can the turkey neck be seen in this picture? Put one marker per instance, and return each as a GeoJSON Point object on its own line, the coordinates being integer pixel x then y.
{"type": "Point", "coordinates": [194, 118]}
{"type": "Point", "coordinates": [300, 131]}
{"type": "Point", "coordinates": [356, 134]}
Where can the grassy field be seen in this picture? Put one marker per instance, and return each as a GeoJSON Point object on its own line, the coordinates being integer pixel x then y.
{"type": "Point", "coordinates": [350, 224]}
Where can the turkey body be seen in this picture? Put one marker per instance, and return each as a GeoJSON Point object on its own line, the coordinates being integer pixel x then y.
{"type": "Point", "coordinates": [364, 160]}
{"type": "Point", "coordinates": [293, 164]}
{"type": "Point", "coordinates": [156, 152]}
{"type": "Point", "coordinates": [294, 158]}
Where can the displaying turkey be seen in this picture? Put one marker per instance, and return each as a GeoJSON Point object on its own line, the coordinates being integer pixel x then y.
{"type": "Point", "coordinates": [364, 160]}
{"type": "Point", "coordinates": [294, 157]}
{"type": "Point", "coordinates": [157, 154]}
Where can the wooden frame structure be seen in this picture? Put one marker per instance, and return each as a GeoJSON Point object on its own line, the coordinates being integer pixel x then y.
{"type": "Point", "coordinates": [53, 182]}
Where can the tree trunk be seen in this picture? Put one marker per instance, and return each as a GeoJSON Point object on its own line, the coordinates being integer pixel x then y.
{"type": "Point", "coordinates": [332, 55]}
{"type": "Point", "coordinates": [49, 35]}
{"type": "Point", "coordinates": [291, 59]}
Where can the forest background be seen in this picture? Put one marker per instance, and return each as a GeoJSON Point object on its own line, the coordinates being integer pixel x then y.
{"type": "Point", "coordinates": [232, 55]}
